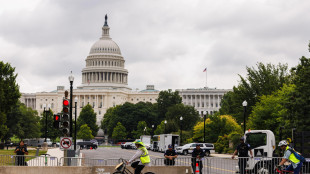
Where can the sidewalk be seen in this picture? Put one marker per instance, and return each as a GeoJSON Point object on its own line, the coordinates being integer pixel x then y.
{"type": "Point", "coordinates": [55, 152]}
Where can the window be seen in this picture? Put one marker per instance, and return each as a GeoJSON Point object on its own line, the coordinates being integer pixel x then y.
{"type": "Point", "coordinates": [52, 105]}
{"type": "Point", "coordinates": [93, 104]}
{"type": "Point", "coordinates": [256, 139]}
{"type": "Point", "coordinates": [99, 112]}
{"type": "Point", "coordinates": [82, 104]}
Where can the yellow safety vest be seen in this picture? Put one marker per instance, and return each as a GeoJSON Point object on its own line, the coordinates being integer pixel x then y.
{"type": "Point", "coordinates": [144, 158]}
{"type": "Point", "coordinates": [292, 157]}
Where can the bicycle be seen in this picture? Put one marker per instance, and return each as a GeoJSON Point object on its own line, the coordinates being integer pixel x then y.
{"type": "Point", "coordinates": [121, 168]}
{"type": "Point", "coordinates": [282, 170]}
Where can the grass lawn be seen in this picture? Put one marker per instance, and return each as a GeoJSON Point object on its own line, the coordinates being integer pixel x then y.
{"type": "Point", "coordinates": [30, 152]}
{"type": "Point", "coordinates": [6, 160]}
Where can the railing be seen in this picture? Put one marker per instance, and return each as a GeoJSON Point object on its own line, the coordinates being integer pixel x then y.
{"type": "Point", "coordinates": [212, 165]}
{"type": "Point", "coordinates": [21, 160]}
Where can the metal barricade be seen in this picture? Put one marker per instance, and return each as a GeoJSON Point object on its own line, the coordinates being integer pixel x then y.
{"type": "Point", "coordinates": [114, 162]}
{"type": "Point", "coordinates": [73, 161]}
{"type": "Point", "coordinates": [24, 160]}
{"type": "Point", "coordinates": [256, 165]}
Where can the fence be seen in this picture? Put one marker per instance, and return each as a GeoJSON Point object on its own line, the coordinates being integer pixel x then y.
{"type": "Point", "coordinates": [212, 165]}
{"type": "Point", "coordinates": [21, 160]}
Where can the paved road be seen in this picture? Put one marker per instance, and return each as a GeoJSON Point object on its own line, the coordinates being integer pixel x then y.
{"type": "Point", "coordinates": [211, 164]}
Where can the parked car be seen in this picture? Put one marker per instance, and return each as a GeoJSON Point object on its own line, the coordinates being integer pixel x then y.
{"type": "Point", "coordinates": [127, 145]}
{"type": "Point", "coordinates": [87, 145]}
{"type": "Point", "coordinates": [188, 148]}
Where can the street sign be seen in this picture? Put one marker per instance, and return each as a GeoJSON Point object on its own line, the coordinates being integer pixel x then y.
{"type": "Point", "coordinates": [66, 143]}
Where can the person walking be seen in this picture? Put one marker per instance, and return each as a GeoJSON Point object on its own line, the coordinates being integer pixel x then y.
{"type": "Point", "coordinates": [197, 156]}
{"type": "Point", "coordinates": [291, 155]}
{"type": "Point", "coordinates": [141, 153]}
{"type": "Point", "coordinates": [170, 155]}
{"type": "Point", "coordinates": [242, 150]}
{"type": "Point", "coordinates": [20, 151]}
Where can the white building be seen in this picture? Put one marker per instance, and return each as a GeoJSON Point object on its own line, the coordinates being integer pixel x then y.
{"type": "Point", "coordinates": [205, 100]}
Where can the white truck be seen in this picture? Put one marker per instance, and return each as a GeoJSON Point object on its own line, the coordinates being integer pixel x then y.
{"type": "Point", "coordinates": [146, 139]}
{"type": "Point", "coordinates": [166, 139]}
{"type": "Point", "coordinates": [263, 145]}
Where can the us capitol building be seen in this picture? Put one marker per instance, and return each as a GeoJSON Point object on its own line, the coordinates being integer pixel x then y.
{"type": "Point", "coordinates": [105, 85]}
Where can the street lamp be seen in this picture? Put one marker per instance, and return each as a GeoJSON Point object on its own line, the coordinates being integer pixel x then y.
{"type": "Point", "coordinates": [45, 114]}
{"type": "Point", "coordinates": [244, 104]}
{"type": "Point", "coordinates": [181, 118]}
{"type": "Point", "coordinates": [71, 79]}
{"type": "Point", "coordinates": [165, 125]}
{"type": "Point", "coordinates": [75, 101]}
{"type": "Point", "coordinates": [152, 131]}
{"type": "Point", "coordinates": [204, 127]}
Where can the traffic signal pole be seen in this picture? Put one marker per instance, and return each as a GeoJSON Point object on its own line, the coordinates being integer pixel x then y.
{"type": "Point", "coordinates": [71, 89]}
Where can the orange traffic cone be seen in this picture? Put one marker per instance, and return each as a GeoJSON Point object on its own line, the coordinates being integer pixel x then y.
{"type": "Point", "coordinates": [197, 168]}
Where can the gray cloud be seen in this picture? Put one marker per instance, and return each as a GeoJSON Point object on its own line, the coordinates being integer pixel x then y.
{"type": "Point", "coordinates": [165, 43]}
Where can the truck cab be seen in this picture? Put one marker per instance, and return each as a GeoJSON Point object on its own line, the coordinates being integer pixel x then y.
{"type": "Point", "coordinates": [263, 145]}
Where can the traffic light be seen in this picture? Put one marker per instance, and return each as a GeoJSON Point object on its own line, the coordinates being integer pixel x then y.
{"type": "Point", "coordinates": [56, 121]}
{"type": "Point", "coordinates": [65, 119]}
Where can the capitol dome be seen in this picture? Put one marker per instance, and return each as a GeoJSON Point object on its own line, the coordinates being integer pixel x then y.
{"type": "Point", "coordinates": [105, 45]}
{"type": "Point", "coordinates": [105, 65]}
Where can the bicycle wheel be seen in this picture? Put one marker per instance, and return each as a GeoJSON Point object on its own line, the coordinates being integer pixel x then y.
{"type": "Point", "coordinates": [117, 172]}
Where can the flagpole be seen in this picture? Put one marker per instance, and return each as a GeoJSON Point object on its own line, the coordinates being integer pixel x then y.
{"type": "Point", "coordinates": [206, 78]}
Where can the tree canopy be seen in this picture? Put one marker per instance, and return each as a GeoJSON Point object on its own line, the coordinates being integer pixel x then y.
{"type": "Point", "coordinates": [85, 133]}
{"type": "Point", "coordinates": [88, 116]}
{"type": "Point", "coordinates": [262, 80]}
{"type": "Point", "coordinates": [9, 95]}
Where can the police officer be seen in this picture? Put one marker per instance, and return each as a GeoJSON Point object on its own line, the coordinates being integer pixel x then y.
{"type": "Point", "coordinates": [141, 153]}
{"type": "Point", "coordinates": [170, 155]}
{"type": "Point", "coordinates": [197, 156]}
{"type": "Point", "coordinates": [243, 149]}
{"type": "Point", "coordinates": [21, 150]}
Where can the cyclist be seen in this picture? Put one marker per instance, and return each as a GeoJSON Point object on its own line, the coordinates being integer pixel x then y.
{"type": "Point", "coordinates": [296, 164]}
{"type": "Point", "coordinates": [141, 153]}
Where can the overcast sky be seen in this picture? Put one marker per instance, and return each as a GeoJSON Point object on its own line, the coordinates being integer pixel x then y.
{"type": "Point", "coordinates": [167, 43]}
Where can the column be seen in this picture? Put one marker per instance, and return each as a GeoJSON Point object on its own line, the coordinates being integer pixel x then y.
{"type": "Point", "coordinates": [200, 100]}
{"type": "Point", "coordinates": [209, 101]}
{"type": "Point", "coordinates": [191, 100]}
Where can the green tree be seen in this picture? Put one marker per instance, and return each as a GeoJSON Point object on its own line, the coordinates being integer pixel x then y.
{"type": "Point", "coordinates": [85, 133]}
{"type": "Point", "coordinates": [160, 129]}
{"type": "Point", "coordinates": [165, 100]}
{"type": "Point", "coordinates": [299, 102]}
{"type": "Point", "coordinates": [263, 80]}
{"type": "Point", "coordinates": [9, 95]}
{"type": "Point", "coordinates": [215, 126]}
{"type": "Point", "coordinates": [189, 114]}
{"type": "Point", "coordinates": [270, 112]}
{"type": "Point", "coordinates": [24, 122]}
{"type": "Point", "coordinates": [88, 116]}
{"type": "Point", "coordinates": [142, 129]}
{"type": "Point", "coordinates": [119, 132]}
{"type": "Point", "coordinates": [129, 115]}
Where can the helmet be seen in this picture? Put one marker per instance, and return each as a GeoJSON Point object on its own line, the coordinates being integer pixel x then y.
{"type": "Point", "coordinates": [138, 142]}
{"type": "Point", "coordinates": [282, 143]}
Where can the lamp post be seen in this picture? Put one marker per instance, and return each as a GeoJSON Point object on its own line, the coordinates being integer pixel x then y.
{"type": "Point", "coordinates": [181, 118]}
{"type": "Point", "coordinates": [204, 127]}
{"type": "Point", "coordinates": [152, 131]}
{"type": "Point", "coordinates": [165, 126]}
{"type": "Point", "coordinates": [45, 114]}
{"type": "Point", "coordinates": [75, 101]}
{"type": "Point", "coordinates": [244, 104]}
{"type": "Point", "coordinates": [71, 79]}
